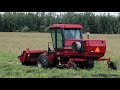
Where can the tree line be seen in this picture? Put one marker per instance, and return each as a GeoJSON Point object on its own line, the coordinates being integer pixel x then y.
{"type": "Point", "coordinates": [38, 21]}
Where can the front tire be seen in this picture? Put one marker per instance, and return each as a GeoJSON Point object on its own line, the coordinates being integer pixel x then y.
{"type": "Point", "coordinates": [43, 61]}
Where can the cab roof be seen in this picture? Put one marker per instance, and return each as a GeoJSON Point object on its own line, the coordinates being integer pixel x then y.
{"type": "Point", "coordinates": [78, 26]}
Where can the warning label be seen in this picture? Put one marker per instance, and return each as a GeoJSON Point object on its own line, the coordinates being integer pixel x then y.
{"type": "Point", "coordinates": [97, 50]}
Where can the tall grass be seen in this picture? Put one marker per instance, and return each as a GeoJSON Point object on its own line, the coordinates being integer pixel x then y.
{"type": "Point", "coordinates": [12, 44]}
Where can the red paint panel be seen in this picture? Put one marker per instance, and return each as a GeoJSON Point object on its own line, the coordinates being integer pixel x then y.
{"type": "Point", "coordinates": [70, 41]}
{"type": "Point", "coordinates": [29, 55]}
{"type": "Point", "coordinates": [66, 26]}
{"type": "Point", "coordinates": [91, 45]}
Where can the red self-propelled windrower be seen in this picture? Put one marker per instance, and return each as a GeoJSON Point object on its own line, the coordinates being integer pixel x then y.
{"type": "Point", "coordinates": [70, 50]}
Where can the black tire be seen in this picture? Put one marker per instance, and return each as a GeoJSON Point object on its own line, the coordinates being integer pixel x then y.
{"type": "Point", "coordinates": [82, 65]}
{"type": "Point", "coordinates": [43, 61]}
{"type": "Point", "coordinates": [113, 66]}
{"type": "Point", "coordinates": [23, 63]}
{"type": "Point", "coordinates": [90, 65]}
{"type": "Point", "coordinates": [86, 65]}
{"type": "Point", "coordinates": [27, 64]}
{"type": "Point", "coordinates": [72, 65]}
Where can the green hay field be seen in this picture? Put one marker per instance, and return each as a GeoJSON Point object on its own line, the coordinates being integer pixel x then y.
{"type": "Point", "coordinates": [12, 44]}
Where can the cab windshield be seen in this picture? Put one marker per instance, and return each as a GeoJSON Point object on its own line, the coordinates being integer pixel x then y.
{"type": "Point", "coordinates": [72, 34]}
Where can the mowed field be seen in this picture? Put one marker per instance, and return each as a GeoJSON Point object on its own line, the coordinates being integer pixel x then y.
{"type": "Point", "coordinates": [12, 44]}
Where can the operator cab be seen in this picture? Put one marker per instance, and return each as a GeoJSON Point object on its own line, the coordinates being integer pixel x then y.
{"type": "Point", "coordinates": [63, 35]}
{"type": "Point", "coordinates": [72, 34]}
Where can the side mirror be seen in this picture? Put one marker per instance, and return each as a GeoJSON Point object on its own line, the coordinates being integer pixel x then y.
{"type": "Point", "coordinates": [49, 49]}
{"type": "Point", "coordinates": [88, 35]}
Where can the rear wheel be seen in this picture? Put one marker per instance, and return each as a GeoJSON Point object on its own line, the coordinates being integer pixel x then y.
{"type": "Point", "coordinates": [43, 61]}
{"type": "Point", "coordinates": [72, 65]}
{"type": "Point", "coordinates": [23, 63]}
{"type": "Point", "coordinates": [90, 65]}
{"type": "Point", "coordinates": [86, 65]}
{"type": "Point", "coordinates": [113, 66]}
{"type": "Point", "coordinates": [27, 64]}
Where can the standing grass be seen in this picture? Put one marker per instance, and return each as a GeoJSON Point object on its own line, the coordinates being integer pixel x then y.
{"type": "Point", "coordinates": [12, 44]}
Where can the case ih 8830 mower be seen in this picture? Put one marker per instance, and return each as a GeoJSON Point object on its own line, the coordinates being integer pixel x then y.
{"type": "Point", "coordinates": [70, 50]}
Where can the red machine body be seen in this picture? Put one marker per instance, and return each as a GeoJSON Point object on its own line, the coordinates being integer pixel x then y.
{"type": "Point", "coordinates": [90, 50]}
{"type": "Point", "coordinates": [29, 56]}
